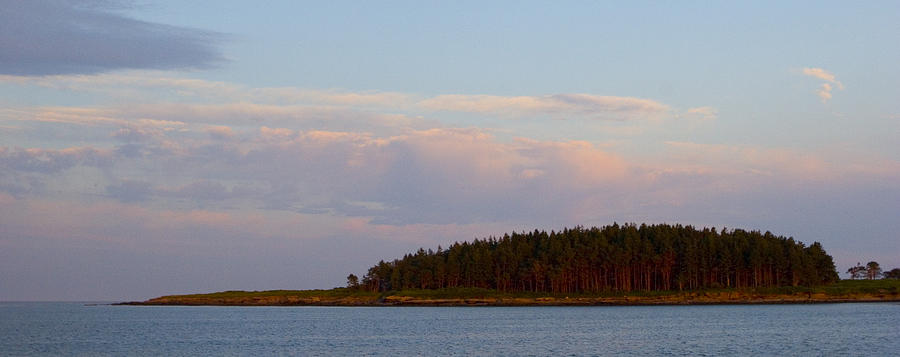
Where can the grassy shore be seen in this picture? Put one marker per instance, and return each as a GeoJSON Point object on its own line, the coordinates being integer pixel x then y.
{"type": "Point", "coordinates": [843, 291]}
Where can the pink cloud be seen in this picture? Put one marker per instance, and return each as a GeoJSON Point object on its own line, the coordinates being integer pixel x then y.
{"type": "Point", "coordinates": [823, 75]}
{"type": "Point", "coordinates": [580, 105]}
{"type": "Point", "coordinates": [702, 113]}
{"type": "Point", "coordinates": [752, 160]}
{"type": "Point", "coordinates": [443, 169]}
{"type": "Point", "coordinates": [420, 177]}
{"type": "Point", "coordinates": [137, 83]}
{"type": "Point", "coordinates": [275, 134]}
{"type": "Point", "coordinates": [824, 91]}
{"type": "Point", "coordinates": [581, 163]}
{"type": "Point", "coordinates": [53, 160]}
{"type": "Point", "coordinates": [220, 132]}
{"type": "Point", "coordinates": [332, 97]}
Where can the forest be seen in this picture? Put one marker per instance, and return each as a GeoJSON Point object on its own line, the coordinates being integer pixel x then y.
{"type": "Point", "coordinates": [659, 257]}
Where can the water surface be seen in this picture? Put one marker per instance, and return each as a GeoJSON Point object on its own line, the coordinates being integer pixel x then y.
{"type": "Point", "coordinates": [823, 329]}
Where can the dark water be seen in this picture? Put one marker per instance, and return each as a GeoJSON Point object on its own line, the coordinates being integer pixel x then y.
{"type": "Point", "coordinates": [75, 329]}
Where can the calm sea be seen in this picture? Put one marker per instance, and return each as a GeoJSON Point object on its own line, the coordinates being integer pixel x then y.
{"type": "Point", "coordinates": [76, 329]}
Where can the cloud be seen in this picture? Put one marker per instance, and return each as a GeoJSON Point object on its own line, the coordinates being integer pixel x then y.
{"type": "Point", "coordinates": [212, 93]}
{"type": "Point", "coordinates": [146, 129]}
{"type": "Point", "coordinates": [332, 97]}
{"type": "Point", "coordinates": [220, 132]}
{"type": "Point", "coordinates": [138, 83]}
{"type": "Point", "coordinates": [335, 156]}
{"type": "Point", "coordinates": [39, 38]}
{"type": "Point", "coordinates": [702, 113]}
{"type": "Point", "coordinates": [130, 191]}
{"type": "Point", "coordinates": [731, 160]}
{"type": "Point", "coordinates": [824, 91]}
{"type": "Point", "coordinates": [821, 74]}
{"type": "Point", "coordinates": [559, 105]}
{"type": "Point", "coordinates": [433, 176]}
{"type": "Point", "coordinates": [276, 134]}
{"type": "Point", "coordinates": [423, 176]}
{"type": "Point", "coordinates": [200, 192]}
{"type": "Point", "coordinates": [66, 115]}
{"type": "Point", "coordinates": [51, 161]}
{"type": "Point", "coordinates": [208, 103]}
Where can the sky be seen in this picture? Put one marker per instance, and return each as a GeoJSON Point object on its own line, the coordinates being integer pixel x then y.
{"type": "Point", "coordinates": [166, 147]}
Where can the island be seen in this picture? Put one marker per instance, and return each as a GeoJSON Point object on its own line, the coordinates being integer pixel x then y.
{"type": "Point", "coordinates": [616, 264]}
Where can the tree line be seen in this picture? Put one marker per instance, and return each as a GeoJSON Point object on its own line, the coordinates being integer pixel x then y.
{"type": "Point", "coordinates": [872, 270]}
{"type": "Point", "coordinates": [612, 258]}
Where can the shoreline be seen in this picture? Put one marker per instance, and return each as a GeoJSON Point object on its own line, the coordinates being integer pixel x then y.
{"type": "Point", "coordinates": [695, 298]}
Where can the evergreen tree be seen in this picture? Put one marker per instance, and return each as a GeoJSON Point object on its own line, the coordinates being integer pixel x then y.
{"type": "Point", "coordinates": [352, 281]}
{"type": "Point", "coordinates": [892, 274]}
{"type": "Point", "coordinates": [857, 271]}
{"type": "Point", "coordinates": [873, 270]}
{"type": "Point", "coordinates": [613, 258]}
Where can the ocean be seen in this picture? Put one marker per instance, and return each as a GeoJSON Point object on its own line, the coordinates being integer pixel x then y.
{"type": "Point", "coordinates": [79, 329]}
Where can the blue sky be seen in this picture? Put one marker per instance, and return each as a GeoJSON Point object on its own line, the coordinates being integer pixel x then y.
{"type": "Point", "coordinates": [168, 147]}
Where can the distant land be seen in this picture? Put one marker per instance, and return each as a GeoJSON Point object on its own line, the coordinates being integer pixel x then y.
{"type": "Point", "coordinates": [613, 265]}
{"type": "Point", "coordinates": [840, 292]}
